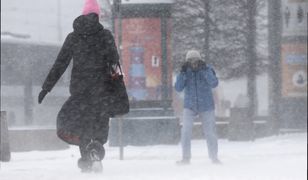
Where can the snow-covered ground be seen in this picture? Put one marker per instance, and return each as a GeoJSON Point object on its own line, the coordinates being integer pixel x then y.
{"type": "Point", "coordinates": [281, 157]}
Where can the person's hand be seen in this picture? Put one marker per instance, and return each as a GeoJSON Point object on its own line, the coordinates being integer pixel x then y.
{"type": "Point", "coordinates": [184, 67]}
{"type": "Point", "coordinates": [42, 95]}
{"type": "Point", "coordinates": [197, 65]}
{"type": "Point", "coordinates": [202, 64]}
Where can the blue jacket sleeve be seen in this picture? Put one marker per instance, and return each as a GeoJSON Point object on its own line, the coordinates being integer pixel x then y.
{"type": "Point", "coordinates": [180, 82]}
{"type": "Point", "coordinates": [210, 77]}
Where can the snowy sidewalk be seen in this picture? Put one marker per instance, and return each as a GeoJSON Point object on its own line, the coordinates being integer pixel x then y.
{"type": "Point", "coordinates": [275, 158]}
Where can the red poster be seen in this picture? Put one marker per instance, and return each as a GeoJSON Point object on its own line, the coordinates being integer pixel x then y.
{"type": "Point", "coordinates": [142, 57]}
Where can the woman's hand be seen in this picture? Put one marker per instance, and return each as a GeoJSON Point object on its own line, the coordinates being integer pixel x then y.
{"type": "Point", "coordinates": [42, 95]}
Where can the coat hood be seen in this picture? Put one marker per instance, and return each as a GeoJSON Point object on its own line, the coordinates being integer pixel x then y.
{"type": "Point", "coordinates": [87, 24]}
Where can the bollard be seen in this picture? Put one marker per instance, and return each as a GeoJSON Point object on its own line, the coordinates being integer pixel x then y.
{"type": "Point", "coordinates": [5, 153]}
{"type": "Point", "coordinates": [240, 127]}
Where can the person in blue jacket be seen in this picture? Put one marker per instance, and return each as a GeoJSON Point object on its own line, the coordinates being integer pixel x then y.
{"type": "Point", "coordinates": [197, 79]}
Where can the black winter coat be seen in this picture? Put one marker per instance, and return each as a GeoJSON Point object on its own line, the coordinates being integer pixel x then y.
{"type": "Point", "coordinates": [93, 50]}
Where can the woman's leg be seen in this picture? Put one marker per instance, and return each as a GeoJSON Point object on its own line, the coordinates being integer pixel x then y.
{"type": "Point", "coordinates": [209, 130]}
{"type": "Point", "coordinates": [186, 132]}
{"type": "Point", "coordinates": [100, 134]}
{"type": "Point", "coordinates": [91, 149]}
{"type": "Point", "coordinates": [95, 134]}
{"type": "Point", "coordinates": [84, 163]}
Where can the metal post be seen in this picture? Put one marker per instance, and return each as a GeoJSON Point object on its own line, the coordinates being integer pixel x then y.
{"type": "Point", "coordinates": [274, 43]}
{"type": "Point", "coordinates": [117, 8]}
{"type": "Point", "coordinates": [28, 96]}
{"type": "Point", "coordinates": [119, 24]}
{"type": "Point", "coordinates": [164, 75]}
{"type": "Point", "coordinates": [120, 134]}
{"type": "Point", "coordinates": [113, 19]}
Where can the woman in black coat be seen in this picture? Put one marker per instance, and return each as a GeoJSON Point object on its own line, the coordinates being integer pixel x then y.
{"type": "Point", "coordinates": [84, 119]}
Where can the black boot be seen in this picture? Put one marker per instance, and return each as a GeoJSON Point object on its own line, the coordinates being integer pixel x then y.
{"type": "Point", "coordinates": [85, 165]}
{"type": "Point", "coordinates": [96, 154]}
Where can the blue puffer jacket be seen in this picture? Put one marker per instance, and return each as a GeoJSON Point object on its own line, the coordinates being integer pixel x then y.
{"type": "Point", "coordinates": [197, 85]}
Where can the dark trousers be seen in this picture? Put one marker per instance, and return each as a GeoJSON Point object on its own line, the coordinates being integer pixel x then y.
{"type": "Point", "coordinates": [97, 131]}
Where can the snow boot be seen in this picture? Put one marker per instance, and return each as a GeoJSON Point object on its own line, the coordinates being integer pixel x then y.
{"type": "Point", "coordinates": [183, 162]}
{"type": "Point", "coordinates": [85, 165]}
{"type": "Point", "coordinates": [216, 161]}
{"type": "Point", "coordinates": [96, 154]}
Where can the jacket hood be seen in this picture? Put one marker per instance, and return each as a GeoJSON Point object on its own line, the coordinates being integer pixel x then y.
{"type": "Point", "coordinates": [87, 24]}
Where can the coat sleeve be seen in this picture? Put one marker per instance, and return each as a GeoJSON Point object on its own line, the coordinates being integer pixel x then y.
{"type": "Point", "coordinates": [112, 55]}
{"type": "Point", "coordinates": [180, 82]}
{"type": "Point", "coordinates": [63, 59]}
{"type": "Point", "coordinates": [210, 76]}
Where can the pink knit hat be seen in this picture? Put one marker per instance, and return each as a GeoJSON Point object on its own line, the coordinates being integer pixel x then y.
{"type": "Point", "coordinates": [91, 6]}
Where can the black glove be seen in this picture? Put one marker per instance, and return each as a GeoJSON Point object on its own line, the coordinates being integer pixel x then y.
{"type": "Point", "coordinates": [184, 67]}
{"type": "Point", "coordinates": [202, 64]}
{"type": "Point", "coordinates": [42, 95]}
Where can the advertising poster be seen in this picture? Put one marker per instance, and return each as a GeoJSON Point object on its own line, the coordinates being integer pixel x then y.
{"type": "Point", "coordinates": [142, 57]}
{"type": "Point", "coordinates": [294, 70]}
{"type": "Point", "coordinates": [294, 48]}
